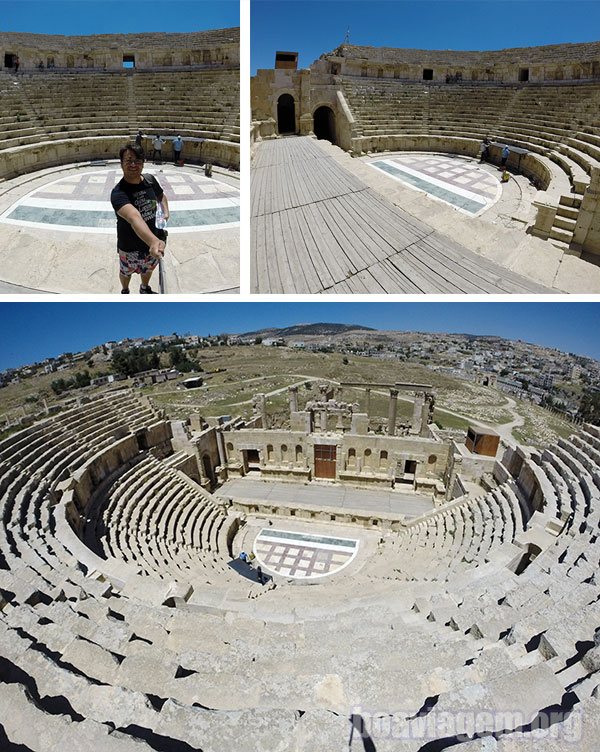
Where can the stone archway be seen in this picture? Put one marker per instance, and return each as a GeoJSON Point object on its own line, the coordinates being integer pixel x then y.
{"type": "Point", "coordinates": [324, 123]}
{"type": "Point", "coordinates": [286, 114]}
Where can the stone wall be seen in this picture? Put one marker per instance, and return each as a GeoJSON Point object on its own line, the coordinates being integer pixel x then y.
{"type": "Point", "coordinates": [568, 62]}
{"type": "Point", "coordinates": [106, 51]}
{"type": "Point", "coordinates": [369, 459]}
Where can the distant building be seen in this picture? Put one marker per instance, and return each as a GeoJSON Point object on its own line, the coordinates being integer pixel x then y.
{"type": "Point", "coordinates": [102, 380]}
{"type": "Point", "coordinates": [156, 376]}
{"type": "Point", "coordinates": [193, 382]}
{"type": "Point", "coordinates": [545, 380]}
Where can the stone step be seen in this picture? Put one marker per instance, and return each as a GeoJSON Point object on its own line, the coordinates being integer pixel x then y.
{"type": "Point", "coordinates": [565, 223]}
{"type": "Point", "coordinates": [564, 236]}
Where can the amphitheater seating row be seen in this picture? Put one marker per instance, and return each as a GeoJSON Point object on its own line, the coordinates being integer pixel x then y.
{"type": "Point", "coordinates": [160, 521]}
{"type": "Point", "coordinates": [40, 107]}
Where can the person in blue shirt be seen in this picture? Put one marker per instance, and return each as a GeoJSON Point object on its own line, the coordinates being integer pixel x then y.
{"type": "Point", "coordinates": [505, 155]}
{"type": "Point", "coordinates": [177, 147]}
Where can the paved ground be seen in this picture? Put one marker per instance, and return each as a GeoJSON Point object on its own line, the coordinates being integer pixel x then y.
{"type": "Point", "coordinates": [316, 495]}
{"type": "Point", "coordinates": [462, 184]}
{"type": "Point", "coordinates": [317, 227]}
{"type": "Point", "coordinates": [58, 231]}
{"type": "Point", "coordinates": [303, 555]}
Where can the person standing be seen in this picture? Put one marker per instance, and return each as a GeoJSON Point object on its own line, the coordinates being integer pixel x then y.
{"type": "Point", "coordinates": [157, 146]}
{"type": "Point", "coordinates": [505, 155]}
{"type": "Point", "coordinates": [139, 138]}
{"type": "Point", "coordinates": [484, 150]}
{"type": "Point", "coordinates": [17, 63]}
{"type": "Point", "coordinates": [177, 147]}
{"type": "Point", "coordinates": [135, 199]}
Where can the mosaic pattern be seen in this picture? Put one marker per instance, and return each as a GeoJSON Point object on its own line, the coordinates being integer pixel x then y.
{"type": "Point", "coordinates": [463, 185]}
{"type": "Point", "coordinates": [82, 203]}
{"type": "Point", "coordinates": [303, 556]}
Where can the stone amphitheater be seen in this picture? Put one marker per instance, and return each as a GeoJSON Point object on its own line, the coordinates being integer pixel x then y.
{"type": "Point", "coordinates": [314, 208]}
{"type": "Point", "coordinates": [73, 102]}
{"type": "Point", "coordinates": [127, 622]}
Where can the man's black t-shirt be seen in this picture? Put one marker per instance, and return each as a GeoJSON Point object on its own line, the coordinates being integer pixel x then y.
{"type": "Point", "coordinates": [144, 196]}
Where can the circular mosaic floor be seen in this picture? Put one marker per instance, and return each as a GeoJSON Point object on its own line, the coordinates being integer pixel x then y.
{"type": "Point", "coordinates": [461, 183]}
{"type": "Point", "coordinates": [59, 230]}
{"type": "Point", "coordinates": [302, 555]}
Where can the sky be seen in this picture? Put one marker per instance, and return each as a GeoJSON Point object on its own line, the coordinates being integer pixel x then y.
{"type": "Point", "coordinates": [82, 17]}
{"type": "Point", "coordinates": [312, 28]}
{"type": "Point", "coordinates": [34, 331]}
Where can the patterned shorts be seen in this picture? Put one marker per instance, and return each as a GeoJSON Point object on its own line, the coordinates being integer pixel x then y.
{"type": "Point", "coordinates": [131, 263]}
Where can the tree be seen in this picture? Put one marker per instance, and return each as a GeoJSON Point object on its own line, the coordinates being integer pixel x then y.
{"type": "Point", "coordinates": [589, 407]}
{"type": "Point", "coordinates": [59, 386]}
{"type": "Point", "coordinates": [132, 361]}
{"type": "Point", "coordinates": [345, 361]}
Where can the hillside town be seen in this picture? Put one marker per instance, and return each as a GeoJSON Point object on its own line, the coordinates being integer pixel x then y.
{"type": "Point", "coordinates": [544, 376]}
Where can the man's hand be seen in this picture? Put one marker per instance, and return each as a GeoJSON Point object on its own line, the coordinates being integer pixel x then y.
{"type": "Point", "coordinates": [157, 249]}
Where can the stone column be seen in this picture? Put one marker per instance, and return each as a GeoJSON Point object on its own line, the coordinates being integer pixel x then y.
{"type": "Point", "coordinates": [392, 412]}
{"type": "Point", "coordinates": [221, 449]}
{"type": "Point", "coordinates": [455, 469]}
{"type": "Point", "coordinates": [428, 413]}
{"type": "Point", "coordinates": [261, 402]}
{"type": "Point", "coordinates": [293, 395]}
{"type": "Point", "coordinates": [417, 418]}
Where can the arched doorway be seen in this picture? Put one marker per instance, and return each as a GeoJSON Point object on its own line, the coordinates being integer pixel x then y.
{"type": "Point", "coordinates": [208, 468]}
{"type": "Point", "coordinates": [324, 123]}
{"type": "Point", "coordinates": [286, 114]}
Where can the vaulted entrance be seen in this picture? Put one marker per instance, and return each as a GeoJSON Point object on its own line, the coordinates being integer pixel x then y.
{"type": "Point", "coordinates": [324, 123]}
{"type": "Point", "coordinates": [251, 460]}
{"type": "Point", "coordinates": [325, 460]}
{"type": "Point", "coordinates": [286, 114]}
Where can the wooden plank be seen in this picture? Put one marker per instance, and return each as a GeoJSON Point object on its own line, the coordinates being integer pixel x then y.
{"type": "Point", "coordinates": [357, 252]}
{"type": "Point", "coordinates": [395, 279]}
{"type": "Point", "coordinates": [295, 254]}
{"type": "Point", "coordinates": [285, 272]}
{"type": "Point", "coordinates": [258, 259]}
{"type": "Point", "coordinates": [331, 254]}
{"type": "Point", "coordinates": [379, 247]}
{"type": "Point", "coordinates": [303, 239]}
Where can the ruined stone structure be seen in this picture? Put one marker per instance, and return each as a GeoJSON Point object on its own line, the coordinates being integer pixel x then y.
{"type": "Point", "coordinates": [80, 98]}
{"type": "Point", "coordinates": [541, 101]}
{"type": "Point", "coordinates": [330, 439]}
{"type": "Point", "coordinates": [126, 623]}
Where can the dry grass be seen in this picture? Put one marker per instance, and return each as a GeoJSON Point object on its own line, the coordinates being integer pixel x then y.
{"type": "Point", "coordinates": [250, 370]}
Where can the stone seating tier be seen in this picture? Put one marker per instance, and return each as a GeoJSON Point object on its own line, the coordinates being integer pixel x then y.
{"type": "Point", "coordinates": [545, 120]}
{"type": "Point", "coordinates": [55, 118]}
